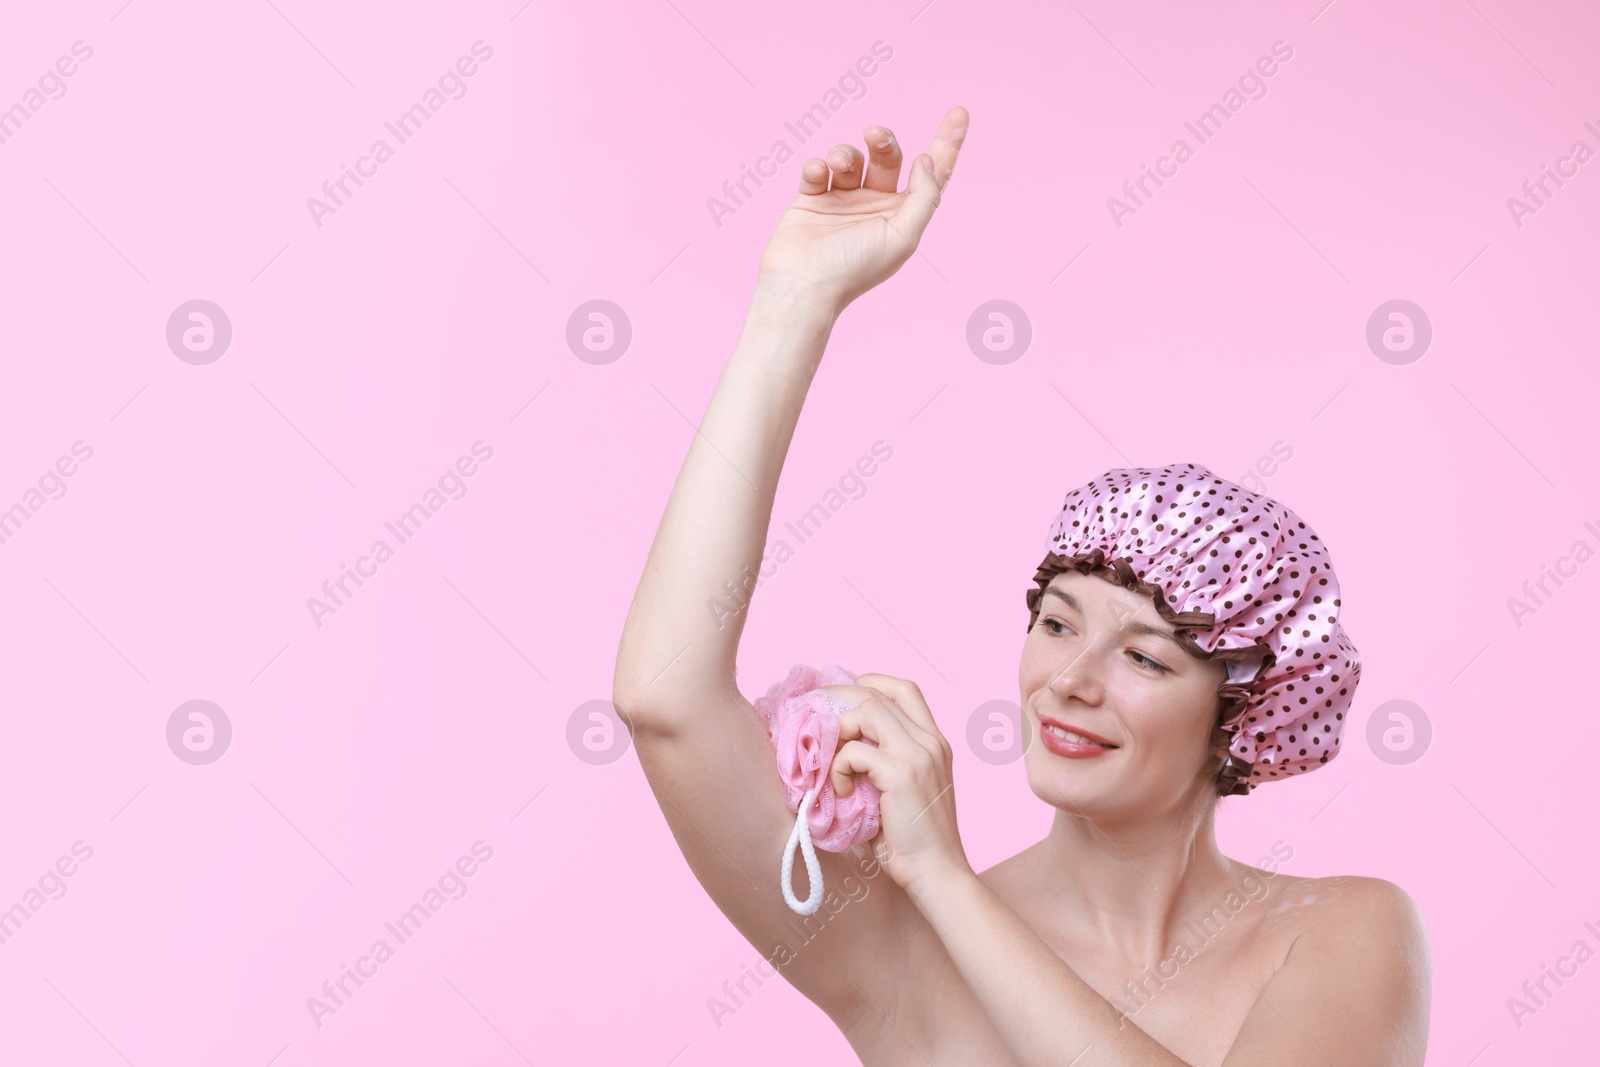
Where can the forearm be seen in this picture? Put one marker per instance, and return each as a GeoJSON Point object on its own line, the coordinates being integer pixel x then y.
{"type": "Point", "coordinates": [677, 641]}
{"type": "Point", "coordinates": [1043, 1011]}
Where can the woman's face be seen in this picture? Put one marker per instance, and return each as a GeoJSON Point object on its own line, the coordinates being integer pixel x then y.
{"type": "Point", "coordinates": [1101, 661]}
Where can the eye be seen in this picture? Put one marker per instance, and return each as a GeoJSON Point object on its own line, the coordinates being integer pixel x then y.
{"type": "Point", "coordinates": [1055, 626]}
{"type": "Point", "coordinates": [1150, 664]}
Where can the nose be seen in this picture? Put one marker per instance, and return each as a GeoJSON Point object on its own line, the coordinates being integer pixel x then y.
{"type": "Point", "coordinates": [1082, 673]}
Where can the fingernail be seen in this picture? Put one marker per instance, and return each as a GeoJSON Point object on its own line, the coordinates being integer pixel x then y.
{"type": "Point", "coordinates": [886, 142]}
{"type": "Point", "coordinates": [959, 133]}
{"type": "Point", "coordinates": [927, 164]}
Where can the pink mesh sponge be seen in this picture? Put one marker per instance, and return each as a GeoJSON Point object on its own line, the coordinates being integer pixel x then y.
{"type": "Point", "coordinates": [803, 726]}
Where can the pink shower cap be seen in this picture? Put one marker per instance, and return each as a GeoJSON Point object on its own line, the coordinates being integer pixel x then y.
{"type": "Point", "coordinates": [1242, 579]}
{"type": "Point", "coordinates": [803, 726]}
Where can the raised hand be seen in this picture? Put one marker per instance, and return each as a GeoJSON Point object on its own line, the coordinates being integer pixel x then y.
{"type": "Point", "coordinates": [837, 241]}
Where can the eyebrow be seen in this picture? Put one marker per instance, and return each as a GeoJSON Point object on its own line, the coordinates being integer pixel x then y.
{"type": "Point", "coordinates": [1135, 626]}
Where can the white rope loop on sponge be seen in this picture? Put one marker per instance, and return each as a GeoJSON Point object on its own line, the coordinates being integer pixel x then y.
{"type": "Point", "coordinates": [802, 834]}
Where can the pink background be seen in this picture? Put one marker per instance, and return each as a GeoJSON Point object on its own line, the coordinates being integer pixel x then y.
{"type": "Point", "coordinates": [371, 752]}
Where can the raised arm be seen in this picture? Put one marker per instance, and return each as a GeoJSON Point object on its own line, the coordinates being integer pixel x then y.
{"type": "Point", "coordinates": [675, 651]}
{"type": "Point", "coordinates": [702, 746]}
{"type": "Point", "coordinates": [830, 246]}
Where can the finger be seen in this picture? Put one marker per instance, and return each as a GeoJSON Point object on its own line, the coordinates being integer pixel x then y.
{"type": "Point", "coordinates": [813, 176]}
{"type": "Point", "coordinates": [883, 160]}
{"type": "Point", "coordinates": [922, 200]}
{"type": "Point", "coordinates": [875, 716]}
{"type": "Point", "coordinates": [906, 695]}
{"type": "Point", "coordinates": [925, 188]}
{"type": "Point", "coordinates": [947, 143]}
{"type": "Point", "coordinates": [852, 759]}
{"type": "Point", "coordinates": [908, 700]}
{"type": "Point", "coordinates": [879, 720]}
{"type": "Point", "coordinates": [847, 165]}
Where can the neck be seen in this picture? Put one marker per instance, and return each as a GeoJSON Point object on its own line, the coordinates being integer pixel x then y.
{"type": "Point", "coordinates": [1133, 883]}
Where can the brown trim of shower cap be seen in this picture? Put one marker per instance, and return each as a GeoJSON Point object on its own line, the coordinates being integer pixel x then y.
{"type": "Point", "coordinates": [1120, 571]}
{"type": "Point", "coordinates": [1234, 778]}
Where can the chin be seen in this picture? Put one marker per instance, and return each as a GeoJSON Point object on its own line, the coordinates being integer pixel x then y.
{"type": "Point", "coordinates": [1072, 785]}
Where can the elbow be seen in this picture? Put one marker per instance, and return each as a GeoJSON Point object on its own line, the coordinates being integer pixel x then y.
{"type": "Point", "coordinates": [653, 687]}
{"type": "Point", "coordinates": [630, 684]}
{"type": "Point", "coordinates": [634, 692]}
{"type": "Point", "coordinates": [662, 704]}
{"type": "Point", "coordinates": [637, 704]}
{"type": "Point", "coordinates": [627, 691]}
{"type": "Point", "coordinates": [645, 717]}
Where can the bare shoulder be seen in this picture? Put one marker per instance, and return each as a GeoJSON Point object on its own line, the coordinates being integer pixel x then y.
{"type": "Point", "coordinates": [1372, 920]}
{"type": "Point", "coordinates": [1373, 904]}
{"type": "Point", "coordinates": [1353, 947]}
{"type": "Point", "coordinates": [1011, 879]}
{"type": "Point", "coordinates": [1007, 870]}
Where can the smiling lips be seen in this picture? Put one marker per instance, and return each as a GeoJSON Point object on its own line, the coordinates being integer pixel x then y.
{"type": "Point", "coordinates": [1073, 742]}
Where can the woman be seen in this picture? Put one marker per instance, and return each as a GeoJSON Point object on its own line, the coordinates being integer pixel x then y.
{"type": "Point", "coordinates": [1125, 936]}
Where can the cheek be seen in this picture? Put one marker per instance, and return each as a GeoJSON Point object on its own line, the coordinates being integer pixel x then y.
{"type": "Point", "coordinates": [1032, 670]}
{"type": "Point", "coordinates": [1187, 719]}
{"type": "Point", "coordinates": [1165, 726]}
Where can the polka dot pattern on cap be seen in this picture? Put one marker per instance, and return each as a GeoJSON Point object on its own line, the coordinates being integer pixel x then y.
{"type": "Point", "coordinates": [1241, 578]}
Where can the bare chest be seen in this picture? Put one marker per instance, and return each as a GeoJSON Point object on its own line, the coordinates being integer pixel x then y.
{"type": "Point", "coordinates": [1193, 1001]}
